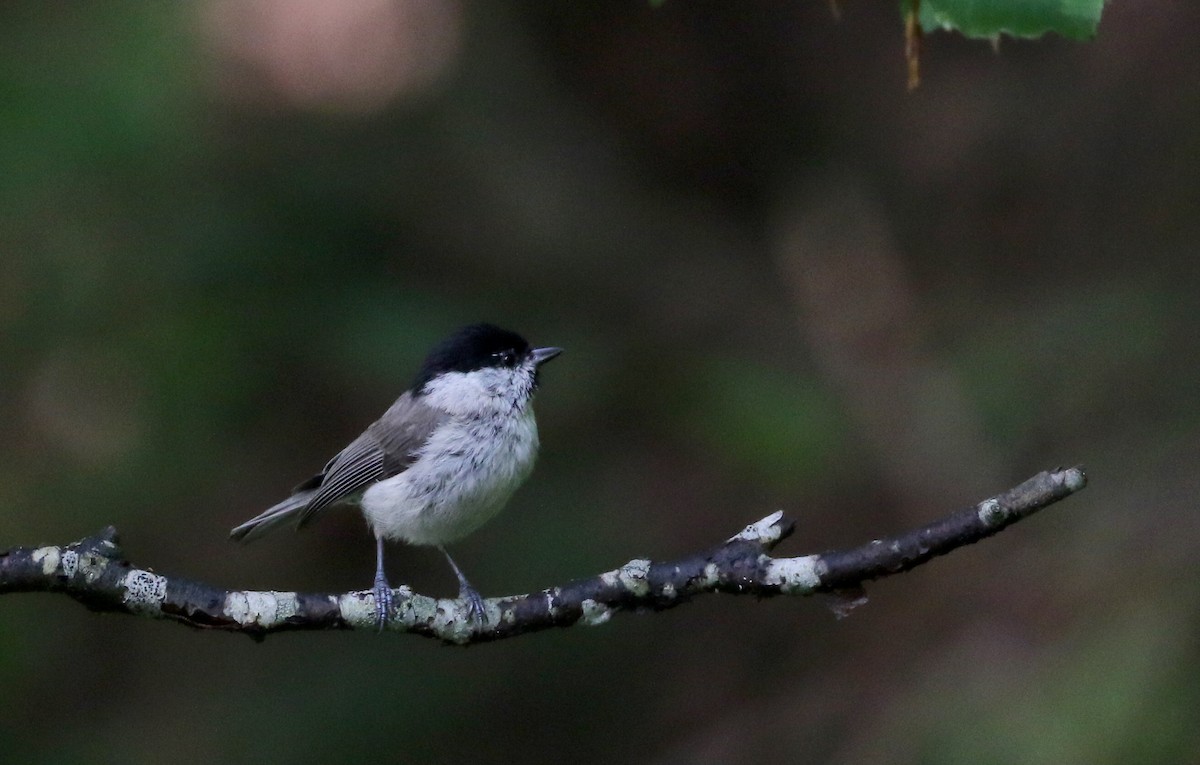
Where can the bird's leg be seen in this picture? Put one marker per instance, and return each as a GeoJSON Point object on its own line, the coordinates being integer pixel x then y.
{"type": "Point", "coordinates": [383, 593]}
{"type": "Point", "coordinates": [467, 592]}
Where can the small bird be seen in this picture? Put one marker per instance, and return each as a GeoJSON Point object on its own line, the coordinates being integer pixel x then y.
{"type": "Point", "coordinates": [439, 463]}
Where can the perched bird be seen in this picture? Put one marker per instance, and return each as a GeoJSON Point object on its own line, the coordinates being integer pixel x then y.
{"type": "Point", "coordinates": [441, 461]}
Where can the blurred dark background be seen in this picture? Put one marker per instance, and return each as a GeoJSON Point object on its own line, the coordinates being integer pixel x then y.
{"type": "Point", "coordinates": [230, 230]}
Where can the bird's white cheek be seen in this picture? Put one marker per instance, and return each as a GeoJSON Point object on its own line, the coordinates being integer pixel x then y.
{"type": "Point", "coordinates": [482, 392]}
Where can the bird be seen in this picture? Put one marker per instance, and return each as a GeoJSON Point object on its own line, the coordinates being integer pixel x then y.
{"type": "Point", "coordinates": [442, 460]}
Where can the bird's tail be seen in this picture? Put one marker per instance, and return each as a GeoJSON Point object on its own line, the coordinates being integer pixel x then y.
{"type": "Point", "coordinates": [273, 517]}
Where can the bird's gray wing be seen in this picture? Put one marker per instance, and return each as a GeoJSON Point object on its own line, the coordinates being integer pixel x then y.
{"type": "Point", "coordinates": [386, 449]}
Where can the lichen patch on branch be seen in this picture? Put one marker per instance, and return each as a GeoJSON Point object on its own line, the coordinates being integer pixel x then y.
{"type": "Point", "coordinates": [260, 609]}
{"type": "Point", "coordinates": [49, 558]}
{"type": "Point", "coordinates": [793, 576]}
{"type": "Point", "coordinates": [144, 592]}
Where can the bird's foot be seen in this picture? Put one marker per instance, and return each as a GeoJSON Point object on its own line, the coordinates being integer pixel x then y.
{"type": "Point", "coordinates": [475, 606]}
{"type": "Point", "coordinates": [468, 593]}
{"type": "Point", "coordinates": [383, 602]}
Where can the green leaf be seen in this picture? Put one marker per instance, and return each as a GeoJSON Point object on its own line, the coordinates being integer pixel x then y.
{"type": "Point", "coordinates": [1073, 19]}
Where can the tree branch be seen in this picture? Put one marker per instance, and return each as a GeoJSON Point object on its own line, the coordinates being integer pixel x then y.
{"type": "Point", "coordinates": [94, 572]}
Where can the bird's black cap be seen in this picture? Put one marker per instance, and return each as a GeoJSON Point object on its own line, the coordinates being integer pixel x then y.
{"type": "Point", "coordinates": [473, 347]}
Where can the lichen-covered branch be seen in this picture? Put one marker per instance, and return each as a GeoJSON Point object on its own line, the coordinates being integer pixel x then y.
{"type": "Point", "coordinates": [95, 572]}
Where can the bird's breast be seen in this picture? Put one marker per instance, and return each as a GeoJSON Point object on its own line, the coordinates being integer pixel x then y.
{"type": "Point", "coordinates": [461, 477]}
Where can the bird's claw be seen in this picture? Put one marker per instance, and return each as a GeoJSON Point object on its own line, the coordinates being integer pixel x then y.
{"type": "Point", "coordinates": [383, 602]}
{"type": "Point", "coordinates": [475, 607]}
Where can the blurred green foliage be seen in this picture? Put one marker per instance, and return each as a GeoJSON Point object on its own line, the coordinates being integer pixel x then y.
{"type": "Point", "coordinates": [1074, 19]}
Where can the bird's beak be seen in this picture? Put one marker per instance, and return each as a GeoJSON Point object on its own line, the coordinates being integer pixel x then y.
{"type": "Point", "coordinates": [542, 355]}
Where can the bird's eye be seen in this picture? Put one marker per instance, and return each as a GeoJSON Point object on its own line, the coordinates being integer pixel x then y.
{"type": "Point", "coordinates": [504, 357]}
